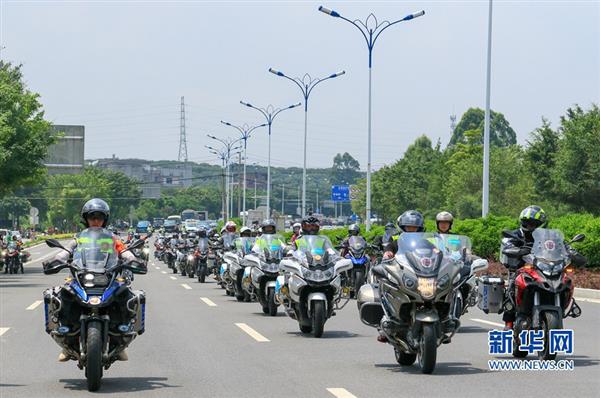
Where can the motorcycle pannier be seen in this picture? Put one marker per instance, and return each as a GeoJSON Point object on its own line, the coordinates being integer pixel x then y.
{"type": "Point", "coordinates": [490, 294]}
{"type": "Point", "coordinates": [369, 305]}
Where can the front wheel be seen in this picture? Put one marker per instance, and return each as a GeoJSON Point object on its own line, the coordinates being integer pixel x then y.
{"type": "Point", "coordinates": [305, 328]}
{"type": "Point", "coordinates": [359, 280]}
{"type": "Point", "coordinates": [403, 358]}
{"type": "Point", "coordinates": [272, 305]}
{"type": "Point", "coordinates": [318, 318]}
{"type": "Point", "coordinates": [550, 320]}
{"type": "Point", "coordinates": [202, 274]}
{"type": "Point", "coordinates": [93, 366]}
{"type": "Point", "coordinates": [428, 349]}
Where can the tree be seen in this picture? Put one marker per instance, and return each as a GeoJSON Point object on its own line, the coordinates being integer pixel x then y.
{"type": "Point", "coordinates": [501, 134]}
{"type": "Point", "coordinates": [11, 208]}
{"type": "Point", "coordinates": [540, 156]}
{"type": "Point", "coordinates": [577, 171]}
{"type": "Point", "coordinates": [24, 134]}
{"type": "Point", "coordinates": [345, 169]}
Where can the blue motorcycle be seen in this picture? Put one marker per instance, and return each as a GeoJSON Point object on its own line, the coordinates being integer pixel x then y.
{"type": "Point", "coordinates": [357, 246]}
{"type": "Point", "coordinates": [86, 316]}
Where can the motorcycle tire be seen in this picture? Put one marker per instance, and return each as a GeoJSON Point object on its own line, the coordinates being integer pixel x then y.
{"type": "Point", "coordinates": [247, 297]}
{"type": "Point", "coordinates": [272, 304]}
{"type": "Point", "coordinates": [550, 320]}
{"type": "Point", "coordinates": [305, 328]}
{"type": "Point", "coordinates": [202, 274]}
{"type": "Point", "coordinates": [240, 297]}
{"type": "Point", "coordinates": [517, 342]}
{"type": "Point", "coordinates": [183, 273]}
{"type": "Point", "coordinates": [359, 280]}
{"type": "Point", "coordinates": [174, 270]}
{"type": "Point", "coordinates": [428, 349]}
{"type": "Point", "coordinates": [404, 358]}
{"type": "Point", "coordinates": [318, 318]}
{"type": "Point", "coordinates": [93, 366]}
{"type": "Point", "coordinates": [265, 309]}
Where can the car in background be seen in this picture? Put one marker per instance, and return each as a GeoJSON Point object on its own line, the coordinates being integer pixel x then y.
{"type": "Point", "coordinates": [171, 225]}
{"type": "Point", "coordinates": [157, 222]}
{"type": "Point", "coordinates": [191, 225]}
{"type": "Point", "coordinates": [142, 227]}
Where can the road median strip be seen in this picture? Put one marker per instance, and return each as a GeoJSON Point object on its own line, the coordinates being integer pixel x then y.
{"type": "Point", "coordinates": [252, 333]}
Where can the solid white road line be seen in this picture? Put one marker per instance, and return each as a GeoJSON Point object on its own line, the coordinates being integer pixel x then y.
{"type": "Point", "coordinates": [341, 393]}
{"type": "Point", "coordinates": [208, 301]}
{"type": "Point", "coordinates": [34, 305]}
{"type": "Point", "coordinates": [487, 322]}
{"type": "Point", "coordinates": [253, 333]}
{"type": "Point", "coordinates": [588, 300]}
{"type": "Point", "coordinates": [186, 286]}
{"type": "Point", "coordinates": [3, 330]}
{"type": "Point", "coordinates": [163, 272]}
{"type": "Point", "coordinates": [172, 277]}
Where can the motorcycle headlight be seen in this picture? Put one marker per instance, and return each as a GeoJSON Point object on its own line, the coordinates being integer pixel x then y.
{"type": "Point", "coordinates": [409, 282]}
{"type": "Point", "coordinates": [550, 267]}
{"type": "Point", "coordinates": [426, 287]}
{"type": "Point", "coordinates": [443, 282]}
{"type": "Point", "coordinates": [146, 250]}
{"type": "Point", "coordinates": [4, 252]}
{"type": "Point", "coordinates": [317, 275]}
{"type": "Point", "coordinates": [190, 257]}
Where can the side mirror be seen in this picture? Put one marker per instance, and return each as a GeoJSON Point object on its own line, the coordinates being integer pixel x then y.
{"type": "Point", "coordinates": [343, 265]}
{"type": "Point", "coordinates": [578, 238]}
{"type": "Point", "coordinates": [512, 251]}
{"type": "Point", "coordinates": [136, 244]}
{"type": "Point", "coordinates": [56, 244]}
{"type": "Point", "coordinates": [478, 265]}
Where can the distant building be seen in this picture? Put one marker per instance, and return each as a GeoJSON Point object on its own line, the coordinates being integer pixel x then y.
{"type": "Point", "coordinates": [66, 156]}
{"type": "Point", "coordinates": [153, 177]}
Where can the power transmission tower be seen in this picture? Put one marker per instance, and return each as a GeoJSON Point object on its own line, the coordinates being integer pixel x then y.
{"type": "Point", "coordinates": [452, 123]}
{"type": "Point", "coordinates": [183, 155]}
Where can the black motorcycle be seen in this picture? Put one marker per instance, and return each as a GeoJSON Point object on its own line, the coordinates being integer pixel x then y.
{"type": "Point", "coordinates": [94, 316]}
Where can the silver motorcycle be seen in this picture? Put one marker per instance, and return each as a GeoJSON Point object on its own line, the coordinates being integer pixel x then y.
{"type": "Point", "coordinates": [412, 302]}
{"type": "Point", "coordinates": [234, 270]}
{"type": "Point", "coordinates": [311, 290]}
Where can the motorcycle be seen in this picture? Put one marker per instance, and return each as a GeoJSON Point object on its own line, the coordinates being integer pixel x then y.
{"type": "Point", "coordinates": [13, 259]}
{"type": "Point", "coordinates": [312, 289]}
{"type": "Point", "coordinates": [356, 277]}
{"type": "Point", "coordinates": [412, 301]}
{"type": "Point", "coordinates": [170, 257]}
{"type": "Point", "coordinates": [99, 331]}
{"type": "Point", "coordinates": [543, 288]}
{"type": "Point", "coordinates": [199, 263]}
{"type": "Point", "coordinates": [235, 268]}
{"type": "Point", "coordinates": [260, 276]}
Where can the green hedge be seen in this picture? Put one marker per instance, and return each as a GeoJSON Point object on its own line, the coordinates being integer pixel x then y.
{"type": "Point", "coordinates": [486, 233]}
{"type": "Point", "coordinates": [43, 238]}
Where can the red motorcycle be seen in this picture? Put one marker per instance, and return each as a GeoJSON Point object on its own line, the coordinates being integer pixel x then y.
{"type": "Point", "coordinates": [543, 288]}
{"type": "Point", "coordinates": [13, 259]}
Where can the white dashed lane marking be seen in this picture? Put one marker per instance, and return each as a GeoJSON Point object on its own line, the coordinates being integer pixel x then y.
{"type": "Point", "coordinates": [186, 286]}
{"type": "Point", "coordinates": [208, 301]}
{"type": "Point", "coordinates": [341, 393]}
{"type": "Point", "coordinates": [163, 272]}
{"type": "Point", "coordinates": [252, 333]}
{"type": "Point", "coordinates": [3, 330]}
{"type": "Point", "coordinates": [487, 322]}
{"type": "Point", "coordinates": [172, 277]}
{"type": "Point", "coordinates": [34, 305]}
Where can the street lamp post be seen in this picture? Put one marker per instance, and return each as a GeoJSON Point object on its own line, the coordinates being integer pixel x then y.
{"type": "Point", "coordinates": [485, 206]}
{"type": "Point", "coordinates": [269, 113]}
{"type": "Point", "coordinates": [229, 147]}
{"type": "Point", "coordinates": [306, 84]}
{"type": "Point", "coordinates": [245, 132]}
{"type": "Point", "coordinates": [370, 29]}
{"type": "Point", "coordinates": [222, 155]}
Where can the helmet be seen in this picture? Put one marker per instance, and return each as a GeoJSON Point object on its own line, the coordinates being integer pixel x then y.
{"type": "Point", "coordinates": [268, 227]}
{"type": "Point", "coordinates": [230, 226]}
{"type": "Point", "coordinates": [245, 232]}
{"type": "Point", "coordinates": [411, 218]}
{"type": "Point", "coordinates": [95, 206]}
{"type": "Point", "coordinates": [389, 226]}
{"type": "Point", "coordinates": [444, 216]}
{"type": "Point", "coordinates": [297, 225]}
{"type": "Point", "coordinates": [310, 225]}
{"type": "Point", "coordinates": [202, 233]}
{"type": "Point", "coordinates": [192, 235]}
{"type": "Point", "coordinates": [353, 230]}
{"type": "Point", "coordinates": [533, 217]}
{"type": "Point", "coordinates": [223, 230]}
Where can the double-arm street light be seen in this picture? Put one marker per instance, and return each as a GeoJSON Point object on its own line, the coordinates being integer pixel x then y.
{"type": "Point", "coordinates": [228, 149]}
{"type": "Point", "coordinates": [269, 113]}
{"type": "Point", "coordinates": [370, 29]}
{"type": "Point", "coordinates": [306, 84]}
{"type": "Point", "coordinates": [245, 132]}
{"type": "Point", "coordinates": [222, 154]}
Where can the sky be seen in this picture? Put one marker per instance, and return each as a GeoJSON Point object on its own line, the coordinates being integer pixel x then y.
{"type": "Point", "coordinates": [121, 67]}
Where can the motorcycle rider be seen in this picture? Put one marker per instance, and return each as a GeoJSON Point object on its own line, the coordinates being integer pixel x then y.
{"type": "Point", "coordinates": [353, 230]}
{"type": "Point", "coordinates": [409, 221]}
{"type": "Point", "coordinates": [269, 228]}
{"type": "Point", "coordinates": [311, 226]}
{"type": "Point", "coordinates": [296, 229]}
{"type": "Point", "coordinates": [443, 222]}
{"type": "Point", "coordinates": [94, 214]}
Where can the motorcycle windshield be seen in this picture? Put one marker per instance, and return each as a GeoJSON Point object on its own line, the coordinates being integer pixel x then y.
{"type": "Point", "coordinates": [95, 250]}
{"type": "Point", "coordinates": [244, 244]}
{"type": "Point", "coordinates": [203, 244]}
{"type": "Point", "coordinates": [312, 250]}
{"type": "Point", "coordinates": [357, 244]}
{"type": "Point", "coordinates": [456, 245]}
{"type": "Point", "coordinates": [228, 238]}
{"type": "Point", "coordinates": [271, 245]}
{"type": "Point", "coordinates": [12, 246]}
{"type": "Point", "coordinates": [423, 251]}
{"type": "Point", "coordinates": [549, 245]}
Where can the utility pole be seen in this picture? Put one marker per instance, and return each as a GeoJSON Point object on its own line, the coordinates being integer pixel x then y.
{"type": "Point", "coordinates": [254, 191]}
{"type": "Point", "coordinates": [183, 155]}
{"type": "Point", "coordinates": [283, 199]}
{"type": "Point", "coordinates": [318, 207]}
{"type": "Point", "coordinates": [239, 188]}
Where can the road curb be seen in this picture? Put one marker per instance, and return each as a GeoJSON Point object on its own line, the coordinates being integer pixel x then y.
{"type": "Point", "coordinates": [587, 293]}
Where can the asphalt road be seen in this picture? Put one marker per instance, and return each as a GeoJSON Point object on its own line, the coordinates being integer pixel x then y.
{"type": "Point", "coordinates": [195, 347]}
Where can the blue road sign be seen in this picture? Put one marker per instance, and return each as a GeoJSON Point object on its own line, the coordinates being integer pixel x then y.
{"type": "Point", "coordinates": [340, 193]}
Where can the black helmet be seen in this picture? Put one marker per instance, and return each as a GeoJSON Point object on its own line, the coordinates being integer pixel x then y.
{"type": "Point", "coordinates": [411, 218]}
{"type": "Point", "coordinates": [353, 230]}
{"type": "Point", "coordinates": [310, 226]}
{"type": "Point", "coordinates": [202, 232]}
{"type": "Point", "coordinates": [268, 226]}
{"type": "Point", "coordinates": [533, 217]}
{"type": "Point", "coordinates": [95, 206]}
